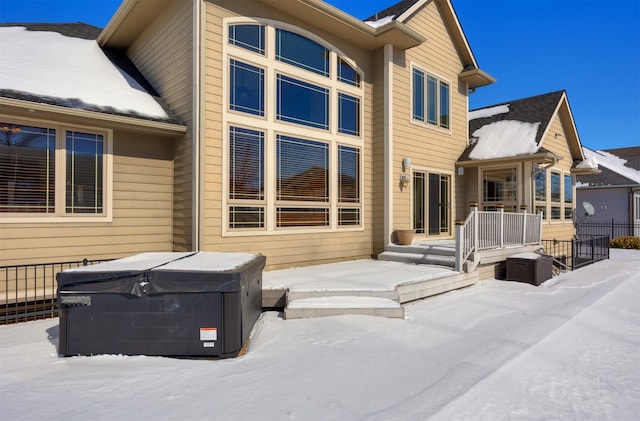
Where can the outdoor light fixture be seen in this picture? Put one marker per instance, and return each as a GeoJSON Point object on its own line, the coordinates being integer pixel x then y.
{"type": "Point", "coordinates": [404, 181]}
{"type": "Point", "coordinates": [406, 164]}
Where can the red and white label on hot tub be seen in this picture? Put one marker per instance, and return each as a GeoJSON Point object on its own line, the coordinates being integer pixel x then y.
{"type": "Point", "coordinates": [208, 333]}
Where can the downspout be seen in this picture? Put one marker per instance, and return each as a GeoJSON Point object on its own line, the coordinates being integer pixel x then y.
{"type": "Point", "coordinates": [197, 126]}
{"type": "Point", "coordinates": [388, 142]}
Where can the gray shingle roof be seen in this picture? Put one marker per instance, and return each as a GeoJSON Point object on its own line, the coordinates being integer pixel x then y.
{"type": "Point", "coordinates": [75, 30]}
{"type": "Point", "coordinates": [609, 177]}
{"type": "Point", "coordinates": [534, 109]}
{"type": "Point", "coordinates": [118, 58]}
{"type": "Point", "coordinates": [395, 10]}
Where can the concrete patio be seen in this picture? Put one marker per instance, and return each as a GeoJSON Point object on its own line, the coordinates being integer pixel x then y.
{"type": "Point", "coordinates": [373, 287]}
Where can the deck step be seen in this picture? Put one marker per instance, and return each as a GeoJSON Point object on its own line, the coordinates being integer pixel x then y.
{"type": "Point", "coordinates": [298, 294]}
{"type": "Point", "coordinates": [418, 258]}
{"type": "Point", "coordinates": [340, 305]}
{"type": "Point", "coordinates": [412, 291]}
{"type": "Point", "coordinates": [432, 249]}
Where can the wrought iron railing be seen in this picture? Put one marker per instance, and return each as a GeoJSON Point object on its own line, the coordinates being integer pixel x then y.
{"type": "Point", "coordinates": [574, 254]}
{"type": "Point", "coordinates": [28, 292]}
{"type": "Point", "coordinates": [613, 229]}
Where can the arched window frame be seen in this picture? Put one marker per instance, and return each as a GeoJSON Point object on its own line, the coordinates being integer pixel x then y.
{"type": "Point", "coordinates": [346, 95]}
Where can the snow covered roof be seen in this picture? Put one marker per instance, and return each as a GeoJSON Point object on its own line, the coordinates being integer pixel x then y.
{"type": "Point", "coordinates": [619, 167]}
{"type": "Point", "coordinates": [511, 129]}
{"type": "Point", "coordinates": [62, 64]}
{"type": "Point", "coordinates": [393, 11]}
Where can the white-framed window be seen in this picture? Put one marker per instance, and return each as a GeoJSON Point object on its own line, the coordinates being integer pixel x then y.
{"type": "Point", "coordinates": [540, 191]}
{"type": "Point", "coordinates": [50, 170]}
{"type": "Point", "coordinates": [556, 195]}
{"type": "Point", "coordinates": [430, 99]}
{"type": "Point", "coordinates": [293, 126]}
{"type": "Point", "coordinates": [568, 197]}
{"type": "Point", "coordinates": [500, 187]}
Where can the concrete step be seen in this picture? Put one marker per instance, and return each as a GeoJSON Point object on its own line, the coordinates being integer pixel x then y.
{"type": "Point", "coordinates": [417, 290]}
{"type": "Point", "coordinates": [418, 258]}
{"type": "Point", "coordinates": [340, 305]}
{"type": "Point", "coordinates": [433, 249]}
{"type": "Point", "coordinates": [298, 294]}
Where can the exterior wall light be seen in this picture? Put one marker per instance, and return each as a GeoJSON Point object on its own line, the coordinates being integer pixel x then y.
{"type": "Point", "coordinates": [406, 164]}
{"type": "Point", "coordinates": [404, 182]}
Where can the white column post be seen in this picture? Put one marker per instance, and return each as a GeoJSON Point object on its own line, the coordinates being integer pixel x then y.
{"type": "Point", "coordinates": [523, 208]}
{"type": "Point", "coordinates": [501, 224]}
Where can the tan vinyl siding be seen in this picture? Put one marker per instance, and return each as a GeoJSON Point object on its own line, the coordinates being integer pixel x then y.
{"type": "Point", "coordinates": [142, 192]}
{"type": "Point", "coordinates": [282, 249]}
{"type": "Point", "coordinates": [164, 54]}
{"type": "Point", "coordinates": [429, 148]}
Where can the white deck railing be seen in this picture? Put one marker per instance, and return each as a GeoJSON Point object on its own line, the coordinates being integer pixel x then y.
{"type": "Point", "coordinates": [486, 230]}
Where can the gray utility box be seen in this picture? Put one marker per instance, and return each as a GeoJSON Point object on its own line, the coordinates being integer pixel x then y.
{"type": "Point", "coordinates": [532, 268]}
{"type": "Point", "coordinates": [197, 304]}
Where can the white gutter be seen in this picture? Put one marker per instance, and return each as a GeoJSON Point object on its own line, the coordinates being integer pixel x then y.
{"type": "Point", "coordinates": [197, 130]}
{"type": "Point", "coordinates": [113, 119]}
{"type": "Point", "coordinates": [388, 143]}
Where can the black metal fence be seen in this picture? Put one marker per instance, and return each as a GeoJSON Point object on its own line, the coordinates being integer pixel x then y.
{"type": "Point", "coordinates": [574, 254]}
{"type": "Point", "coordinates": [30, 290]}
{"type": "Point", "coordinates": [613, 229]}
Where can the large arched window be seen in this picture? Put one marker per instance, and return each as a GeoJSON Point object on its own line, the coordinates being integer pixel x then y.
{"type": "Point", "coordinates": [293, 124]}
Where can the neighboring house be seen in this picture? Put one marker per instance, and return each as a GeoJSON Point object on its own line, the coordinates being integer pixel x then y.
{"type": "Point", "coordinates": [289, 129]}
{"type": "Point", "coordinates": [525, 153]}
{"type": "Point", "coordinates": [614, 193]}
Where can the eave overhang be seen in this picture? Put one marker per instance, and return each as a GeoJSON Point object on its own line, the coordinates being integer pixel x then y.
{"type": "Point", "coordinates": [542, 157]}
{"type": "Point", "coordinates": [632, 187]}
{"type": "Point", "coordinates": [323, 15]}
{"type": "Point", "coordinates": [476, 78]}
{"type": "Point", "coordinates": [129, 21]}
{"type": "Point", "coordinates": [585, 171]}
{"type": "Point", "coordinates": [30, 109]}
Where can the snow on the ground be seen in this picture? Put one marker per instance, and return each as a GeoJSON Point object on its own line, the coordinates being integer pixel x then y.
{"type": "Point", "coordinates": [53, 65]}
{"type": "Point", "coordinates": [567, 350]}
{"type": "Point", "coordinates": [505, 138]}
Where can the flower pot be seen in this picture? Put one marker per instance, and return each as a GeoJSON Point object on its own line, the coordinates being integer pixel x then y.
{"type": "Point", "coordinates": [404, 237]}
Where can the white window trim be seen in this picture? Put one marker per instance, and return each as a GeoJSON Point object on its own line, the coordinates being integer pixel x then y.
{"type": "Point", "coordinates": [432, 170]}
{"type": "Point", "coordinates": [426, 124]}
{"type": "Point", "coordinates": [548, 204]}
{"type": "Point", "coordinates": [272, 127]}
{"type": "Point", "coordinates": [519, 185]}
{"type": "Point", "coordinates": [60, 155]}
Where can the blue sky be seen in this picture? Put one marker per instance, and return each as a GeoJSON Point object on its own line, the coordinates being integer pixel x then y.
{"type": "Point", "coordinates": [590, 48]}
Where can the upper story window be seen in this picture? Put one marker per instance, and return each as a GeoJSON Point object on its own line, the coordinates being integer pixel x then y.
{"type": "Point", "coordinates": [302, 52]}
{"type": "Point", "coordinates": [246, 88]}
{"type": "Point", "coordinates": [247, 36]}
{"type": "Point", "coordinates": [302, 103]}
{"type": "Point", "coordinates": [431, 99]}
{"type": "Point", "coordinates": [294, 125]}
{"type": "Point", "coordinates": [51, 170]}
{"type": "Point", "coordinates": [347, 74]}
{"type": "Point", "coordinates": [348, 114]}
